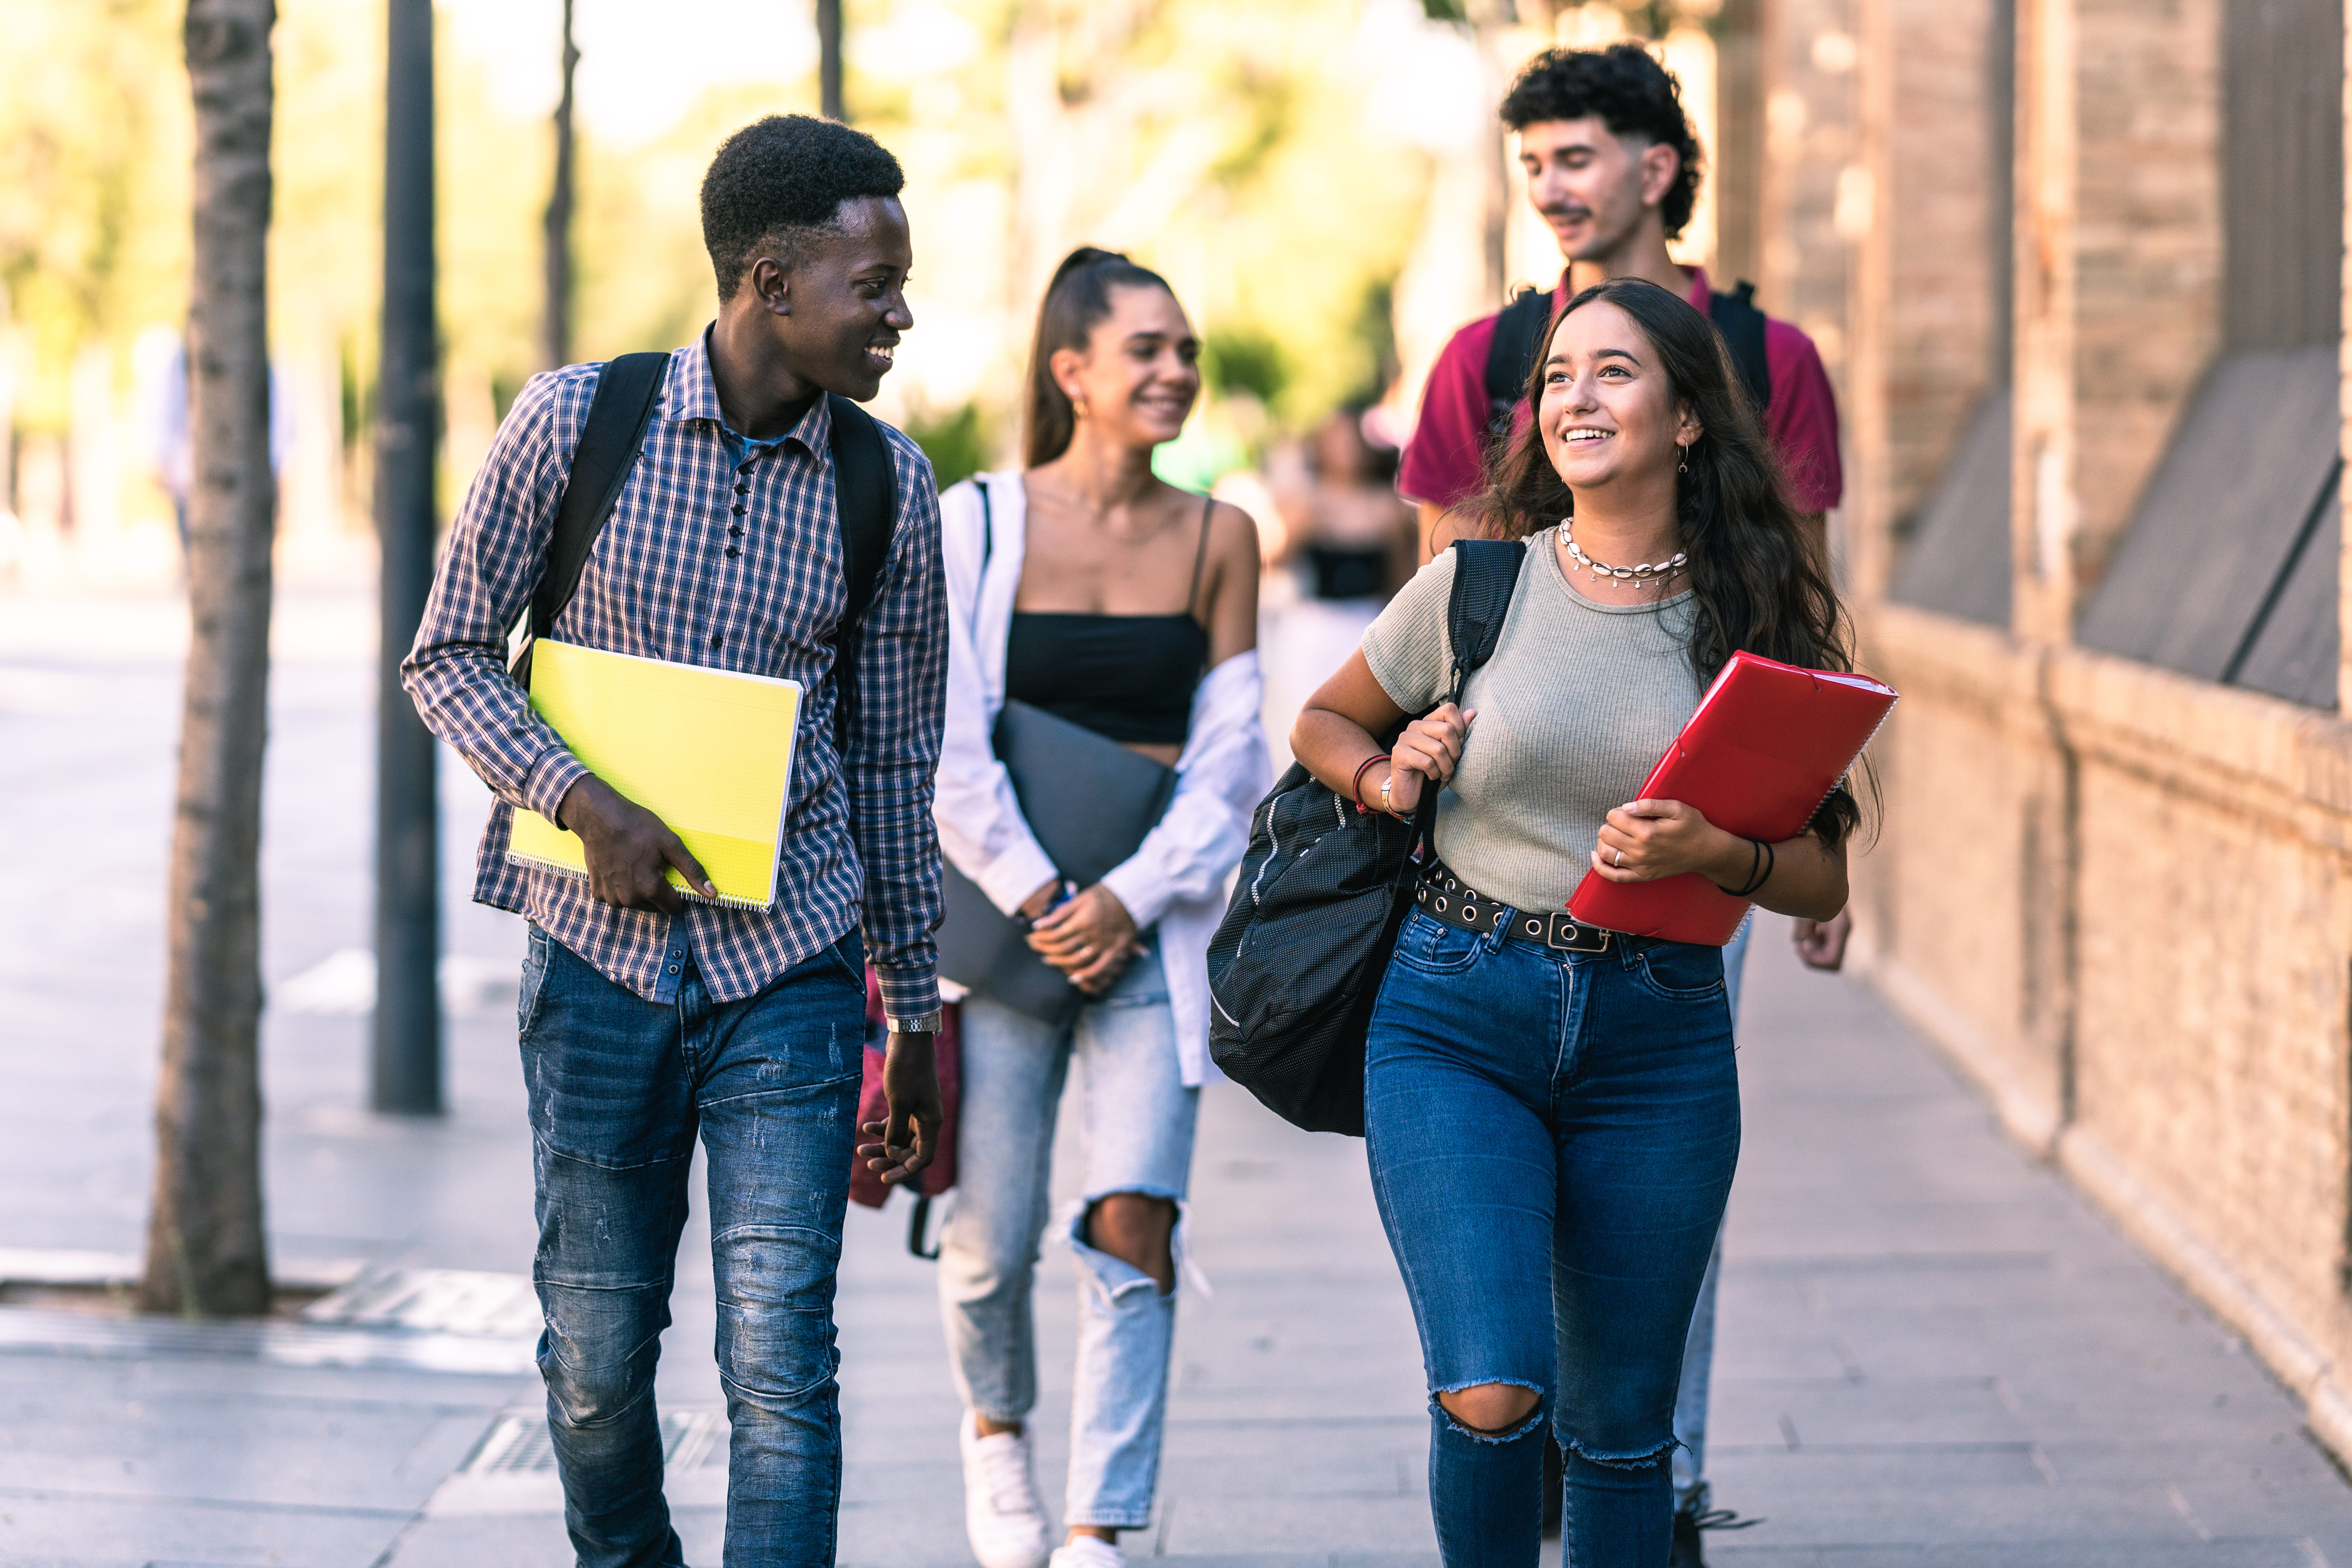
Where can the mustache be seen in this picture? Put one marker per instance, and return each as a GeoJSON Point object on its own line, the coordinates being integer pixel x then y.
{"type": "Point", "coordinates": [1566, 209]}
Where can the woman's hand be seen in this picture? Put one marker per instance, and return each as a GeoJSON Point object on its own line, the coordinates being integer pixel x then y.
{"type": "Point", "coordinates": [1089, 939]}
{"type": "Point", "coordinates": [1429, 749]}
{"type": "Point", "coordinates": [1654, 838]}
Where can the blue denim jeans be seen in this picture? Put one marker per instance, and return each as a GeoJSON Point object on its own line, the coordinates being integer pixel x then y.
{"type": "Point", "coordinates": [1691, 1491]}
{"type": "Point", "coordinates": [1552, 1138]}
{"type": "Point", "coordinates": [1139, 1124]}
{"type": "Point", "coordinates": [619, 1088]}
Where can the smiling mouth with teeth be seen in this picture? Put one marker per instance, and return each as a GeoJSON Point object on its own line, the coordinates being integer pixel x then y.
{"type": "Point", "coordinates": [1590, 435]}
{"type": "Point", "coordinates": [886, 352]}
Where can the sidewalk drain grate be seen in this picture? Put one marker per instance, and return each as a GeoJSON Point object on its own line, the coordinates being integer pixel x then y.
{"type": "Point", "coordinates": [435, 1301]}
{"type": "Point", "coordinates": [522, 1446]}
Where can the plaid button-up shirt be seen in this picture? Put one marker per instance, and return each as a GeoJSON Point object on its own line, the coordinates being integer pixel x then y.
{"type": "Point", "coordinates": [706, 564]}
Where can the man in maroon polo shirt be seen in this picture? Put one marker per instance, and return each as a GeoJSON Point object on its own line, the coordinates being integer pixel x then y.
{"type": "Point", "coordinates": [1613, 168]}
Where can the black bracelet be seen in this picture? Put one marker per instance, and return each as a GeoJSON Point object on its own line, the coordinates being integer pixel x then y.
{"type": "Point", "coordinates": [1761, 853]}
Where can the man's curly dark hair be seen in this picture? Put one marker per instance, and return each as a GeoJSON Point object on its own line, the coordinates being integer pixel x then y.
{"type": "Point", "coordinates": [781, 180]}
{"type": "Point", "coordinates": [1632, 94]}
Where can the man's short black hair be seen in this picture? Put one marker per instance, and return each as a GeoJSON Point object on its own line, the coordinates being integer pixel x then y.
{"type": "Point", "coordinates": [781, 180]}
{"type": "Point", "coordinates": [1631, 92]}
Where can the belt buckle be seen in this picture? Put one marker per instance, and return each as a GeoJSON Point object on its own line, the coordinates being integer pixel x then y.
{"type": "Point", "coordinates": [1569, 941]}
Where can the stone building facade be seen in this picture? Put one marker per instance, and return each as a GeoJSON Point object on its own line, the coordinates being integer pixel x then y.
{"type": "Point", "coordinates": [2085, 259]}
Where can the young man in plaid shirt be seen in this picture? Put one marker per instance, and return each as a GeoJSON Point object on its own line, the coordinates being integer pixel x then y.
{"type": "Point", "coordinates": [644, 1018]}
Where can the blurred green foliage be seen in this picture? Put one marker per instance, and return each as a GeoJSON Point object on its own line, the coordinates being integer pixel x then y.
{"type": "Point", "coordinates": [952, 442]}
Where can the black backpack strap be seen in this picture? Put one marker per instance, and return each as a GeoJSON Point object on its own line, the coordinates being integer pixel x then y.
{"type": "Point", "coordinates": [866, 497]}
{"type": "Point", "coordinates": [1742, 326]}
{"type": "Point", "coordinates": [1486, 571]}
{"type": "Point", "coordinates": [627, 390]}
{"type": "Point", "coordinates": [1511, 356]}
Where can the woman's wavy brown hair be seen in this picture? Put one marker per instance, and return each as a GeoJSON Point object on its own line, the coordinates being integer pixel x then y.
{"type": "Point", "coordinates": [1754, 579]}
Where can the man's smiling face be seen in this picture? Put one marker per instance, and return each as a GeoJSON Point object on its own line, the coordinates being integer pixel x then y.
{"type": "Point", "coordinates": [1591, 185]}
{"type": "Point", "coordinates": [847, 297]}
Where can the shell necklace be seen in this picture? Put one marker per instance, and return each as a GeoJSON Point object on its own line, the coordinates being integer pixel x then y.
{"type": "Point", "coordinates": [1664, 571]}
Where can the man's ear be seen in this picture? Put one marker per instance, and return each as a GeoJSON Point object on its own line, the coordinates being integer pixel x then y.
{"type": "Point", "coordinates": [771, 285]}
{"type": "Point", "coordinates": [1660, 166]}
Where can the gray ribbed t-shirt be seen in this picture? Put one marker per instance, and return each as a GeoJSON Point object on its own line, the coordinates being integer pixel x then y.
{"type": "Point", "coordinates": [1578, 704]}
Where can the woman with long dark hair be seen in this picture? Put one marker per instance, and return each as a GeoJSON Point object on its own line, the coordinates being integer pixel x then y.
{"type": "Point", "coordinates": [1085, 587]}
{"type": "Point", "coordinates": [1553, 1119]}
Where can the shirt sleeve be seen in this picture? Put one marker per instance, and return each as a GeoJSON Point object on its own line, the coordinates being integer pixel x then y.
{"type": "Point", "coordinates": [894, 757]}
{"type": "Point", "coordinates": [1802, 420]}
{"type": "Point", "coordinates": [1406, 647]}
{"type": "Point", "coordinates": [455, 672]}
{"type": "Point", "coordinates": [1443, 462]}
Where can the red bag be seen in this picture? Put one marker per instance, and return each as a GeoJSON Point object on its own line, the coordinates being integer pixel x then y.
{"type": "Point", "coordinates": [866, 1187]}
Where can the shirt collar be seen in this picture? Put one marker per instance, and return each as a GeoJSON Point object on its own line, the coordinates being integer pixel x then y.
{"type": "Point", "coordinates": [1701, 296]}
{"type": "Point", "coordinates": [694, 394]}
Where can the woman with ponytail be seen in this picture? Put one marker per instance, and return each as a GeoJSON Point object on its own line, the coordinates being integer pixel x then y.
{"type": "Point", "coordinates": [1084, 585]}
{"type": "Point", "coordinates": [1553, 1110]}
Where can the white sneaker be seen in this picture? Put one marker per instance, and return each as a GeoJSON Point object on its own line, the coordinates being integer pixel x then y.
{"type": "Point", "coordinates": [1002, 1511]}
{"type": "Point", "coordinates": [1088, 1551]}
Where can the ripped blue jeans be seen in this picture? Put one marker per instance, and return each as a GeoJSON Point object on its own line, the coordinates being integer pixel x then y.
{"type": "Point", "coordinates": [1552, 1138]}
{"type": "Point", "coordinates": [619, 1088]}
{"type": "Point", "coordinates": [1138, 1138]}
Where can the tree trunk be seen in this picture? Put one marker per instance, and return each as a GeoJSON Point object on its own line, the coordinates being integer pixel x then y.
{"type": "Point", "coordinates": [555, 331]}
{"type": "Point", "coordinates": [207, 1254]}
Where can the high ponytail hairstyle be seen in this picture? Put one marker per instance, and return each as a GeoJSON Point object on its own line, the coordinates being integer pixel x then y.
{"type": "Point", "coordinates": [1077, 302]}
{"type": "Point", "coordinates": [1754, 581]}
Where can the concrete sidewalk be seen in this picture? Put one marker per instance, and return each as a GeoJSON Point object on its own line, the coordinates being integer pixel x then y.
{"type": "Point", "coordinates": [1932, 1351]}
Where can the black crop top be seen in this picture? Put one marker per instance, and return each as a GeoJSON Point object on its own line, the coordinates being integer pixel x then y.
{"type": "Point", "coordinates": [1127, 677]}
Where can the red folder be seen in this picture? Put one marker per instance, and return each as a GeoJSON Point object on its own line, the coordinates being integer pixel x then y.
{"type": "Point", "coordinates": [1765, 747]}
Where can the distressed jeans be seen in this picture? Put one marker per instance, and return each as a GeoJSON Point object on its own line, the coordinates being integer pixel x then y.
{"type": "Point", "coordinates": [1692, 1494]}
{"type": "Point", "coordinates": [619, 1088]}
{"type": "Point", "coordinates": [1138, 1138]}
{"type": "Point", "coordinates": [1552, 1138]}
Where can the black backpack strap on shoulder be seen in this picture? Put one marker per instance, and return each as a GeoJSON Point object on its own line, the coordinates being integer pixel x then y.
{"type": "Point", "coordinates": [866, 499]}
{"type": "Point", "coordinates": [1485, 571]}
{"type": "Point", "coordinates": [1742, 326]}
{"type": "Point", "coordinates": [627, 390]}
{"type": "Point", "coordinates": [1511, 355]}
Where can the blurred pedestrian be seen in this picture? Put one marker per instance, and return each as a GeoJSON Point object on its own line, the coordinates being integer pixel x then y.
{"type": "Point", "coordinates": [1614, 167]}
{"type": "Point", "coordinates": [1553, 1119]}
{"type": "Point", "coordinates": [647, 1019]}
{"type": "Point", "coordinates": [1347, 545]}
{"type": "Point", "coordinates": [1085, 587]}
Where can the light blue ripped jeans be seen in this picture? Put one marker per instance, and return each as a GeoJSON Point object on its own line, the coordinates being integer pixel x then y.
{"type": "Point", "coordinates": [1138, 1138]}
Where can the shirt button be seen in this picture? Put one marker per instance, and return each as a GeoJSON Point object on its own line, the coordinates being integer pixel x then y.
{"type": "Point", "coordinates": [734, 533]}
{"type": "Point", "coordinates": [732, 551]}
{"type": "Point", "coordinates": [744, 469]}
{"type": "Point", "coordinates": [718, 639]}
{"type": "Point", "coordinates": [739, 509]}
{"type": "Point", "coordinates": [742, 490]}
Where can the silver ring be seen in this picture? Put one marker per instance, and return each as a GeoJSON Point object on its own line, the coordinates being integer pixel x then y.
{"type": "Point", "coordinates": [1621, 856]}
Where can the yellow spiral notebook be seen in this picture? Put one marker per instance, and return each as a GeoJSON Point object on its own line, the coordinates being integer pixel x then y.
{"type": "Point", "coordinates": [710, 751]}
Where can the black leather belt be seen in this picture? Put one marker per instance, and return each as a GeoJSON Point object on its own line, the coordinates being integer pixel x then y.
{"type": "Point", "coordinates": [1441, 895]}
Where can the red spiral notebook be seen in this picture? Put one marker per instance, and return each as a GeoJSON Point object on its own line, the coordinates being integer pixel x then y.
{"type": "Point", "coordinates": [1767, 744]}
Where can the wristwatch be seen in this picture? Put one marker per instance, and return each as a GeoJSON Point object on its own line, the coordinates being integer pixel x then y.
{"type": "Point", "coordinates": [925, 1024]}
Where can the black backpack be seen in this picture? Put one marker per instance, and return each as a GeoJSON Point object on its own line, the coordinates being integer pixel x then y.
{"type": "Point", "coordinates": [1519, 329]}
{"type": "Point", "coordinates": [1298, 962]}
{"type": "Point", "coordinates": [865, 495]}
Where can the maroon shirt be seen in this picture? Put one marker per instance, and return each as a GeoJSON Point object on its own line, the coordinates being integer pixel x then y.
{"type": "Point", "coordinates": [1441, 464]}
